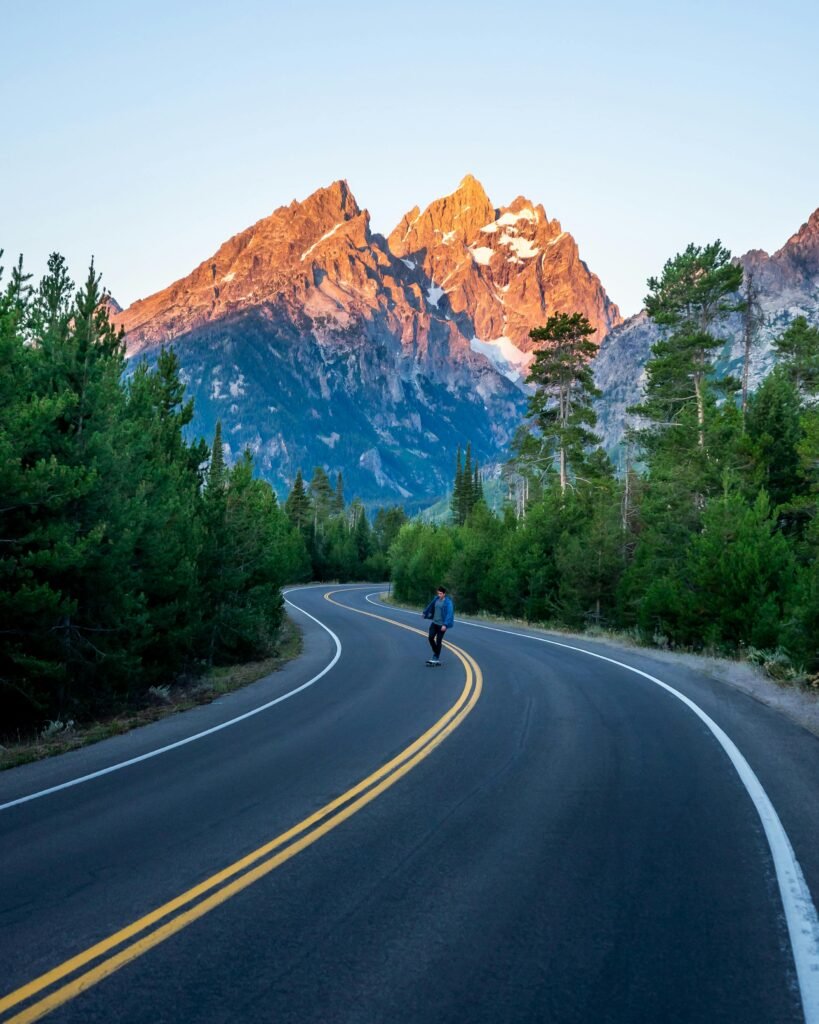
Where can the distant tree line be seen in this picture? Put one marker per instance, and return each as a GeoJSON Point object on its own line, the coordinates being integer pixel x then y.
{"type": "Point", "coordinates": [708, 538]}
{"type": "Point", "coordinates": [340, 541]}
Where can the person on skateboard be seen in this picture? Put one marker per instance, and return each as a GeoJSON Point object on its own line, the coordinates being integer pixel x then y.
{"type": "Point", "coordinates": [442, 612]}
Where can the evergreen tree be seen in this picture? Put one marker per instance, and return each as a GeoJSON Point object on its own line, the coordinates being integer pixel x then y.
{"type": "Point", "coordinates": [387, 523]}
{"type": "Point", "coordinates": [299, 507]}
{"type": "Point", "coordinates": [696, 291]}
{"type": "Point", "coordinates": [362, 535]}
{"type": "Point", "coordinates": [322, 497]}
{"type": "Point", "coordinates": [741, 574]}
{"type": "Point", "coordinates": [242, 565]}
{"type": "Point", "coordinates": [564, 389]}
{"type": "Point", "coordinates": [798, 351]}
{"type": "Point", "coordinates": [165, 512]}
{"type": "Point", "coordinates": [338, 503]}
{"type": "Point", "coordinates": [457, 500]}
{"type": "Point", "coordinates": [774, 431]}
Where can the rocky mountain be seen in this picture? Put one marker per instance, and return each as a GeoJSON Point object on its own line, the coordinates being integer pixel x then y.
{"type": "Point", "coordinates": [499, 272]}
{"type": "Point", "coordinates": [788, 286]}
{"type": "Point", "coordinates": [319, 342]}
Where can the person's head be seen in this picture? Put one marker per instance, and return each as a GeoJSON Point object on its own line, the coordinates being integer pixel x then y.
{"type": "Point", "coordinates": [441, 591]}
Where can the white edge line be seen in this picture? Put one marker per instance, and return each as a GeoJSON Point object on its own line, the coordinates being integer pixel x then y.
{"type": "Point", "coordinates": [197, 736]}
{"type": "Point", "coordinates": [800, 911]}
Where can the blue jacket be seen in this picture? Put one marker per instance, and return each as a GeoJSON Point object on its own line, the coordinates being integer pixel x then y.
{"type": "Point", "coordinates": [448, 611]}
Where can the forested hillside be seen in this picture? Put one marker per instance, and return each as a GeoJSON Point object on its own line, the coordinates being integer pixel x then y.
{"type": "Point", "coordinates": [709, 540]}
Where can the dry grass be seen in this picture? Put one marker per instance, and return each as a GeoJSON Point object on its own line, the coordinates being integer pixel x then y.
{"type": "Point", "coordinates": [160, 701]}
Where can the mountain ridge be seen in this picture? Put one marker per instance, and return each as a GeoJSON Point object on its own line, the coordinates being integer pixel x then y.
{"type": "Point", "coordinates": [316, 343]}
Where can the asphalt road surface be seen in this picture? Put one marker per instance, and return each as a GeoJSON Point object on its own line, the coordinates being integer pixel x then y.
{"type": "Point", "coordinates": [528, 833]}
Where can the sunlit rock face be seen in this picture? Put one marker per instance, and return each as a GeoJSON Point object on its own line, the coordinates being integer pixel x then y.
{"type": "Point", "coordinates": [319, 342]}
{"type": "Point", "coordinates": [499, 272]}
{"type": "Point", "coordinates": [787, 285]}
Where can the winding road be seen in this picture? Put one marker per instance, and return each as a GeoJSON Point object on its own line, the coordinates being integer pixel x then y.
{"type": "Point", "coordinates": [541, 830]}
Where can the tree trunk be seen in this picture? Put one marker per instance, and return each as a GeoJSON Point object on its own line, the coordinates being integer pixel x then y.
{"type": "Point", "coordinates": [700, 409]}
{"type": "Point", "coordinates": [748, 338]}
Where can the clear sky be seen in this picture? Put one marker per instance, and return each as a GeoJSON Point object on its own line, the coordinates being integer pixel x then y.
{"type": "Point", "coordinates": [146, 133]}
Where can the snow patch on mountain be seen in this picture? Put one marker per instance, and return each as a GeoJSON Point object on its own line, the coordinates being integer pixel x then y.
{"type": "Point", "coordinates": [482, 254]}
{"type": "Point", "coordinates": [505, 356]}
{"type": "Point", "coordinates": [522, 247]}
{"type": "Point", "coordinates": [512, 218]}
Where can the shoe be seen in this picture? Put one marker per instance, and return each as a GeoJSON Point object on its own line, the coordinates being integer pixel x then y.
{"type": "Point", "coordinates": [434, 661]}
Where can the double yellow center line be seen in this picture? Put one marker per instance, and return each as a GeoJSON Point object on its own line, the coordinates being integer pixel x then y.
{"type": "Point", "coordinates": [81, 972]}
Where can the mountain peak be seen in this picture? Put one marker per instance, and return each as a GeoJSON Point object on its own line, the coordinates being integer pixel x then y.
{"type": "Point", "coordinates": [471, 191]}
{"type": "Point", "coordinates": [797, 262]}
{"type": "Point", "coordinates": [336, 194]}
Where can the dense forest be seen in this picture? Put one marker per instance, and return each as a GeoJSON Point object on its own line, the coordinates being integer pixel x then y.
{"type": "Point", "coordinates": [129, 553]}
{"type": "Point", "coordinates": [709, 540]}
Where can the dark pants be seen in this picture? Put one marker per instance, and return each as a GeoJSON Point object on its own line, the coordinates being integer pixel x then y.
{"type": "Point", "coordinates": [436, 638]}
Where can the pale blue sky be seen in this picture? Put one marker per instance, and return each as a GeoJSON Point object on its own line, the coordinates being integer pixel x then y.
{"type": "Point", "coordinates": [148, 133]}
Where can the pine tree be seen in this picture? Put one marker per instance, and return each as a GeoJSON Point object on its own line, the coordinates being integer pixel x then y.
{"type": "Point", "coordinates": [362, 536]}
{"type": "Point", "coordinates": [322, 497]}
{"type": "Point", "coordinates": [299, 507]}
{"type": "Point", "coordinates": [696, 291]}
{"type": "Point", "coordinates": [338, 503]}
{"type": "Point", "coordinates": [798, 350]}
{"type": "Point", "coordinates": [217, 471]}
{"type": "Point", "coordinates": [774, 430]}
{"type": "Point", "coordinates": [740, 573]}
{"type": "Point", "coordinates": [564, 389]}
{"type": "Point", "coordinates": [457, 500]}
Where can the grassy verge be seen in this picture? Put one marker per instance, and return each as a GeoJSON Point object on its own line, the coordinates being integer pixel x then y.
{"type": "Point", "coordinates": [159, 702]}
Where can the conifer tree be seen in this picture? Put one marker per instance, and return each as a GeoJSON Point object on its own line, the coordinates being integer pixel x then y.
{"type": "Point", "coordinates": [457, 500]}
{"type": "Point", "coordinates": [697, 289]}
{"type": "Point", "coordinates": [362, 534]}
{"type": "Point", "coordinates": [798, 350]}
{"type": "Point", "coordinates": [564, 389]}
{"type": "Point", "coordinates": [322, 497]}
{"type": "Point", "coordinates": [338, 503]}
{"type": "Point", "coordinates": [299, 507]}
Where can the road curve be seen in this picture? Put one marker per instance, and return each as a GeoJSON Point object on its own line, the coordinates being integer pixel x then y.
{"type": "Point", "coordinates": [525, 834]}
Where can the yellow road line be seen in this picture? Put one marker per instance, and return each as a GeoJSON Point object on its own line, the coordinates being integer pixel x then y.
{"type": "Point", "coordinates": [355, 798]}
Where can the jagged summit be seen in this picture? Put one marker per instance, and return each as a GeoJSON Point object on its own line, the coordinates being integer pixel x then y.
{"type": "Point", "coordinates": [319, 342]}
{"type": "Point", "coordinates": [499, 272]}
{"type": "Point", "coordinates": [794, 268]}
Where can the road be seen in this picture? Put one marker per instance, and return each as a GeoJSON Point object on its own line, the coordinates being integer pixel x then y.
{"type": "Point", "coordinates": [530, 833]}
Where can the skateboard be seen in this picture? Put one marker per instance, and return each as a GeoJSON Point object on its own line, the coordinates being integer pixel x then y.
{"type": "Point", "coordinates": [433, 664]}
